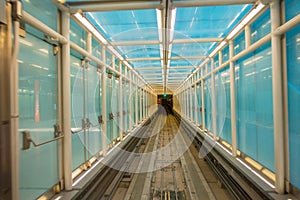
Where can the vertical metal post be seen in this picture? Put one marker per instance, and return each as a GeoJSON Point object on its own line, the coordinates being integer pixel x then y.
{"type": "Point", "coordinates": [232, 99]}
{"type": "Point", "coordinates": [247, 36]}
{"type": "Point", "coordinates": [86, 94]}
{"type": "Point", "coordinates": [104, 112]}
{"type": "Point", "coordinates": [141, 100]}
{"type": "Point", "coordinates": [202, 104]}
{"type": "Point", "coordinates": [136, 103]}
{"type": "Point", "coordinates": [196, 104]}
{"type": "Point", "coordinates": [220, 58]}
{"type": "Point", "coordinates": [66, 82]}
{"type": "Point", "coordinates": [130, 99]}
{"type": "Point", "coordinates": [121, 107]}
{"type": "Point", "coordinates": [285, 103]}
{"type": "Point", "coordinates": [9, 182]}
{"type": "Point", "coordinates": [213, 101]}
{"type": "Point", "coordinates": [277, 100]}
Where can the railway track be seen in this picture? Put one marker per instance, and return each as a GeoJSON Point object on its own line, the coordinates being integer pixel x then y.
{"type": "Point", "coordinates": [173, 172]}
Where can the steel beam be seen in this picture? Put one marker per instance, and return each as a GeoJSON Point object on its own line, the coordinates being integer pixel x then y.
{"type": "Point", "coordinates": [144, 59]}
{"type": "Point", "coordinates": [97, 6]}
{"type": "Point", "coordinates": [187, 57]}
{"type": "Point", "coordinates": [196, 3]}
{"type": "Point", "coordinates": [172, 58]}
{"type": "Point", "coordinates": [135, 43]}
{"type": "Point", "coordinates": [196, 40]}
{"type": "Point", "coordinates": [175, 41]}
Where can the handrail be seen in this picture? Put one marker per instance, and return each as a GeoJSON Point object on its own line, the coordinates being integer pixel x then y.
{"type": "Point", "coordinates": [27, 138]}
{"type": "Point", "coordinates": [86, 124]}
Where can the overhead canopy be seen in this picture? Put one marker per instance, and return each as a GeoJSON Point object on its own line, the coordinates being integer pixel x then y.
{"type": "Point", "coordinates": [163, 41]}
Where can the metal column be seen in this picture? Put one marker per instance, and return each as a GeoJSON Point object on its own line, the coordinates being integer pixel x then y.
{"type": "Point", "coordinates": [202, 104]}
{"type": "Point", "coordinates": [66, 99]}
{"type": "Point", "coordinates": [196, 104]}
{"type": "Point", "coordinates": [8, 174]}
{"type": "Point", "coordinates": [130, 100]}
{"type": "Point", "coordinates": [121, 108]}
{"type": "Point", "coordinates": [277, 100]}
{"type": "Point", "coordinates": [213, 101]}
{"type": "Point", "coordinates": [136, 104]}
{"type": "Point", "coordinates": [232, 99]}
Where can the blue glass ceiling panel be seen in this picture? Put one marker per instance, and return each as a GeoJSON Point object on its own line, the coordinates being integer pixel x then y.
{"type": "Point", "coordinates": [185, 62]}
{"type": "Point", "coordinates": [141, 51]}
{"type": "Point", "coordinates": [126, 25]}
{"type": "Point", "coordinates": [209, 21]}
{"type": "Point", "coordinates": [149, 71]}
{"type": "Point", "coordinates": [146, 63]}
{"type": "Point", "coordinates": [190, 49]}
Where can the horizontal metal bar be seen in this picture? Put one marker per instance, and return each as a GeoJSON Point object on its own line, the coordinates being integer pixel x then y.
{"type": "Point", "coordinates": [143, 59]}
{"type": "Point", "coordinates": [176, 41]}
{"type": "Point", "coordinates": [46, 142]}
{"type": "Point", "coordinates": [97, 6]}
{"type": "Point", "coordinates": [182, 67]}
{"type": "Point", "coordinates": [134, 43]}
{"type": "Point", "coordinates": [29, 19]}
{"type": "Point", "coordinates": [288, 25]}
{"type": "Point", "coordinates": [172, 58]}
{"type": "Point", "coordinates": [195, 3]}
{"type": "Point", "coordinates": [147, 68]}
{"type": "Point", "coordinates": [187, 57]}
{"type": "Point", "coordinates": [196, 40]}
{"type": "Point", "coordinates": [158, 74]}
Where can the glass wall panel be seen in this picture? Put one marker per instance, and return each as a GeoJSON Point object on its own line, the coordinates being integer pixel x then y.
{"type": "Point", "coordinates": [207, 103]}
{"type": "Point", "coordinates": [222, 84]}
{"type": "Point", "coordinates": [38, 108]}
{"type": "Point", "coordinates": [239, 43]}
{"type": "Point", "coordinates": [254, 106]}
{"type": "Point", "coordinates": [77, 113]}
{"type": "Point", "coordinates": [293, 72]}
{"type": "Point", "coordinates": [94, 110]}
{"type": "Point", "coordinates": [199, 104]}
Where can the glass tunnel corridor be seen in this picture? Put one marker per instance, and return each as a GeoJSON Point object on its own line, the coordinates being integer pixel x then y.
{"type": "Point", "coordinates": [160, 99]}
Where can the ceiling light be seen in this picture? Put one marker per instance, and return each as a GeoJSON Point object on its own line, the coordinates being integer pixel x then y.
{"type": "Point", "coordinates": [90, 27]}
{"type": "Point", "coordinates": [245, 21]}
{"type": "Point", "coordinates": [172, 25]}
{"type": "Point", "coordinates": [159, 23]}
{"type": "Point", "coordinates": [222, 44]}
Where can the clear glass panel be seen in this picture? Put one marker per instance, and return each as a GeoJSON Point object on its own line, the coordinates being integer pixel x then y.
{"type": "Point", "coordinates": [38, 113]}
{"type": "Point", "coordinates": [94, 109]}
{"type": "Point", "coordinates": [96, 49]}
{"type": "Point", "coordinates": [77, 34]}
{"type": "Point", "coordinates": [45, 11]}
{"type": "Point", "coordinates": [77, 105]}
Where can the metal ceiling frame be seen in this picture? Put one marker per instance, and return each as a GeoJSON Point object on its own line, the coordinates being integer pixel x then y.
{"type": "Point", "coordinates": [177, 41]}
{"type": "Point", "coordinates": [166, 7]}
